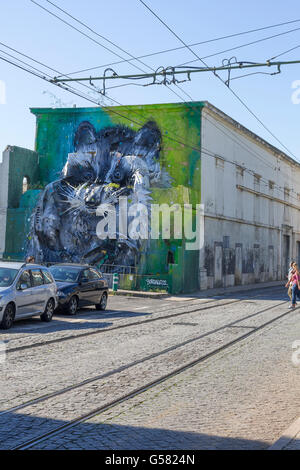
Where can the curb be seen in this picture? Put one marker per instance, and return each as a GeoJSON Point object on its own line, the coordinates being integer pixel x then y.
{"type": "Point", "coordinates": [149, 295]}
{"type": "Point", "coordinates": [289, 434]}
{"type": "Point", "coordinates": [200, 294]}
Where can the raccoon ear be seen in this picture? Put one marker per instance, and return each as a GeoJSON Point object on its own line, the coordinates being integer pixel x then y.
{"type": "Point", "coordinates": [85, 135]}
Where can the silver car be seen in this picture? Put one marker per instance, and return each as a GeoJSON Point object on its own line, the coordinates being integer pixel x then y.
{"type": "Point", "coordinates": [26, 290]}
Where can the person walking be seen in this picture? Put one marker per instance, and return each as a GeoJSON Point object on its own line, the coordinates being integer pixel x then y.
{"type": "Point", "coordinates": [296, 285]}
{"type": "Point", "coordinates": [289, 284]}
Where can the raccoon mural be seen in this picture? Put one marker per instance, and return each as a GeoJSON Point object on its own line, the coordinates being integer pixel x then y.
{"type": "Point", "coordinates": [106, 165]}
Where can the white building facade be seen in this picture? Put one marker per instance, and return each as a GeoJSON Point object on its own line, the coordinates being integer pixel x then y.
{"type": "Point", "coordinates": [251, 196]}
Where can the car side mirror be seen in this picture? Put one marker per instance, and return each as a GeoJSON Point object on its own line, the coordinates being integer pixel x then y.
{"type": "Point", "coordinates": [23, 286]}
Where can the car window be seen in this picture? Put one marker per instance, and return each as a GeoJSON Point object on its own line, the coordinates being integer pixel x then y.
{"type": "Point", "coordinates": [64, 273]}
{"type": "Point", "coordinates": [37, 277]}
{"type": "Point", "coordinates": [24, 279]}
{"type": "Point", "coordinates": [85, 274]}
{"type": "Point", "coordinates": [47, 277]}
{"type": "Point", "coordinates": [7, 276]}
{"type": "Point", "coordinates": [93, 275]}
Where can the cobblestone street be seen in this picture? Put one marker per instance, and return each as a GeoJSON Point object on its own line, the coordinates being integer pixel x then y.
{"type": "Point", "coordinates": [170, 373]}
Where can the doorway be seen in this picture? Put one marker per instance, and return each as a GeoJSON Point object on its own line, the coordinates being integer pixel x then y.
{"type": "Point", "coordinates": [286, 254]}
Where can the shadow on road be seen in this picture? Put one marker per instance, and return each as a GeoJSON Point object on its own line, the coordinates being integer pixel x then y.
{"type": "Point", "coordinates": [17, 429]}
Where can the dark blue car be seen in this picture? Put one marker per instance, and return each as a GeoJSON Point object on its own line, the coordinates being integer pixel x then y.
{"type": "Point", "coordinates": [79, 286]}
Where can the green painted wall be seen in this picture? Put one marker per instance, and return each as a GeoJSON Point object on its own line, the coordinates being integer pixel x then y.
{"type": "Point", "coordinates": [22, 162]}
{"type": "Point", "coordinates": [179, 124]}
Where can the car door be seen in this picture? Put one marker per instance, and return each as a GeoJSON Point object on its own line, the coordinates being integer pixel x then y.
{"type": "Point", "coordinates": [39, 293]}
{"type": "Point", "coordinates": [23, 296]}
{"type": "Point", "coordinates": [99, 284]}
{"type": "Point", "coordinates": [87, 288]}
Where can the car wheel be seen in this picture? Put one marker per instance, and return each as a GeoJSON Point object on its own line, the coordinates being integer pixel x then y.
{"type": "Point", "coordinates": [103, 302]}
{"type": "Point", "coordinates": [49, 310]}
{"type": "Point", "coordinates": [8, 317]}
{"type": "Point", "coordinates": [72, 306]}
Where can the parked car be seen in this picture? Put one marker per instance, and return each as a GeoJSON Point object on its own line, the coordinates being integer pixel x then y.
{"type": "Point", "coordinates": [26, 290]}
{"type": "Point", "coordinates": [79, 286]}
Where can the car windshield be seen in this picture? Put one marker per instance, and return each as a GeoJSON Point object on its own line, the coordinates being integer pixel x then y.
{"type": "Point", "coordinates": [7, 276]}
{"type": "Point", "coordinates": [65, 274]}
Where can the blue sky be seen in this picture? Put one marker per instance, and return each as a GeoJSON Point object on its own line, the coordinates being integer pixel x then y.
{"type": "Point", "coordinates": [29, 29]}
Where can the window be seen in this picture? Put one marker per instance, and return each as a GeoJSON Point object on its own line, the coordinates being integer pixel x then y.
{"type": "Point", "coordinates": [7, 276]}
{"type": "Point", "coordinates": [170, 257]}
{"type": "Point", "coordinates": [47, 277]}
{"type": "Point", "coordinates": [24, 279]}
{"type": "Point", "coordinates": [257, 182]}
{"type": "Point", "coordinates": [85, 275]}
{"type": "Point", "coordinates": [37, 277]}
{"type": "Point", "coordinates": [286, 193]}
{"type": "Point", "coordinates": [26, 183]}
{"type": "Point", "coordinates": [93, 275]}
{"type": "Point", "coordinates": [63, 273]}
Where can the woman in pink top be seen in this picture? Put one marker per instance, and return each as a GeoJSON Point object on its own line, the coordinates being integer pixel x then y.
{"type": "Point", "coordinates": [296, 285]}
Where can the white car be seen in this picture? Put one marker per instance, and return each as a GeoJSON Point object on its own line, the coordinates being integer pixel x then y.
{"type": "Point", "coordinates": [26, 290]}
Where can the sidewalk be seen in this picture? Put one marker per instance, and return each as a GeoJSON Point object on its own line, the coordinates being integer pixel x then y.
{"type": "Point", "coordinates": [290, 439]}
{"type": "Point", "coordinates": [200, 294]}
{"type": "Point", "coordinates": [139, 293]}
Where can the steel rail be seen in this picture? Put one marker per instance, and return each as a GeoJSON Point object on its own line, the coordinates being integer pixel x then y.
{"type": "Point", "coordinates": [84, 417]}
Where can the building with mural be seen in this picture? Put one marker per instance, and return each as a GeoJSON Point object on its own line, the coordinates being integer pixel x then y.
{"type": "Point", "coordinates": [175, 156]}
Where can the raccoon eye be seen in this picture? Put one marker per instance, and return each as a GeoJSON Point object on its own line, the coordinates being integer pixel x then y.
{"type": "Point", "coordinates": [117, 175]}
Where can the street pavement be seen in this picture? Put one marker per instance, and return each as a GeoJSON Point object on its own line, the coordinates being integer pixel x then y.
{"type": "Point", "coordinates": [241, 398]}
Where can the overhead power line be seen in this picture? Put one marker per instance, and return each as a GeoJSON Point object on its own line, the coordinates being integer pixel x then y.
{"type": "Point", "coordinates": [242, 46]}
{"type": "Point", "coordinates": [167, 135]}
{"type": "Point", "coordinates": [183, 91]}
{"type": "Point", "coordinates": [285, 52]}
{"type": "Point", "coordinates": [80, 22]}
{"type": "Point", "coordinates": [82, 33]}
{"type": "Point", "coordinates": [165, 51]}
{"type": "Point", "coordinates": [233, 92]}
{"type": "Point", "coordinates": [172, 71]}
{"type": "Point", "coordinates": [96, 33]}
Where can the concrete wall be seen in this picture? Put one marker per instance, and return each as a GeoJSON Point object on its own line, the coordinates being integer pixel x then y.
{"type": "Point", "coordinates": [17, 162]}
{"type": "Point", "coordinates": [251, 194]}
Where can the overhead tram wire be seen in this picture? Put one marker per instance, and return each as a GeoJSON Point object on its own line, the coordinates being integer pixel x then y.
{"type": "Point", "coordinates": [75, 19]}
{"type": "Point", "coordinates": [103, 37]}
{"type": "Point", "coordinates": [81, 95]}
{"type": "Point", "coordinates": [86, 26]}
{"type": "Point", "coordinates": [219, 78]}
{"type": "Point", "coordinates": [243, 45]}
{"type": "Point", "coordinates": [285, 52]}
{"type": "Point", "coordinates": [96, 33]}
{"type": "Point", "coordinates": [83, 33]}
{"type": "Point", "coordinates": [43, 65]}
{"type": "Point", "coordinates": [184, 47]}
{"type": "Point", "coordinates": [173, 91]}
{"type": "Point", "coordinates": [239, 142]}
{"type": "Point", "coordinates": [204, 57]}
{"type": "Point", "coordinates": [235, 138]}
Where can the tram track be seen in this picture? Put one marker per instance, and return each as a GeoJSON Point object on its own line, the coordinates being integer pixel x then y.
{"type": "Point", "coordinates": [131, 394]}
{"type": "Point", "coordinates": [198, 308]}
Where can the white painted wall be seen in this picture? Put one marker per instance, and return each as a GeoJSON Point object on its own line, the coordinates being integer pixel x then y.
{"type": "Point", "coordinates": [250, 219]}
